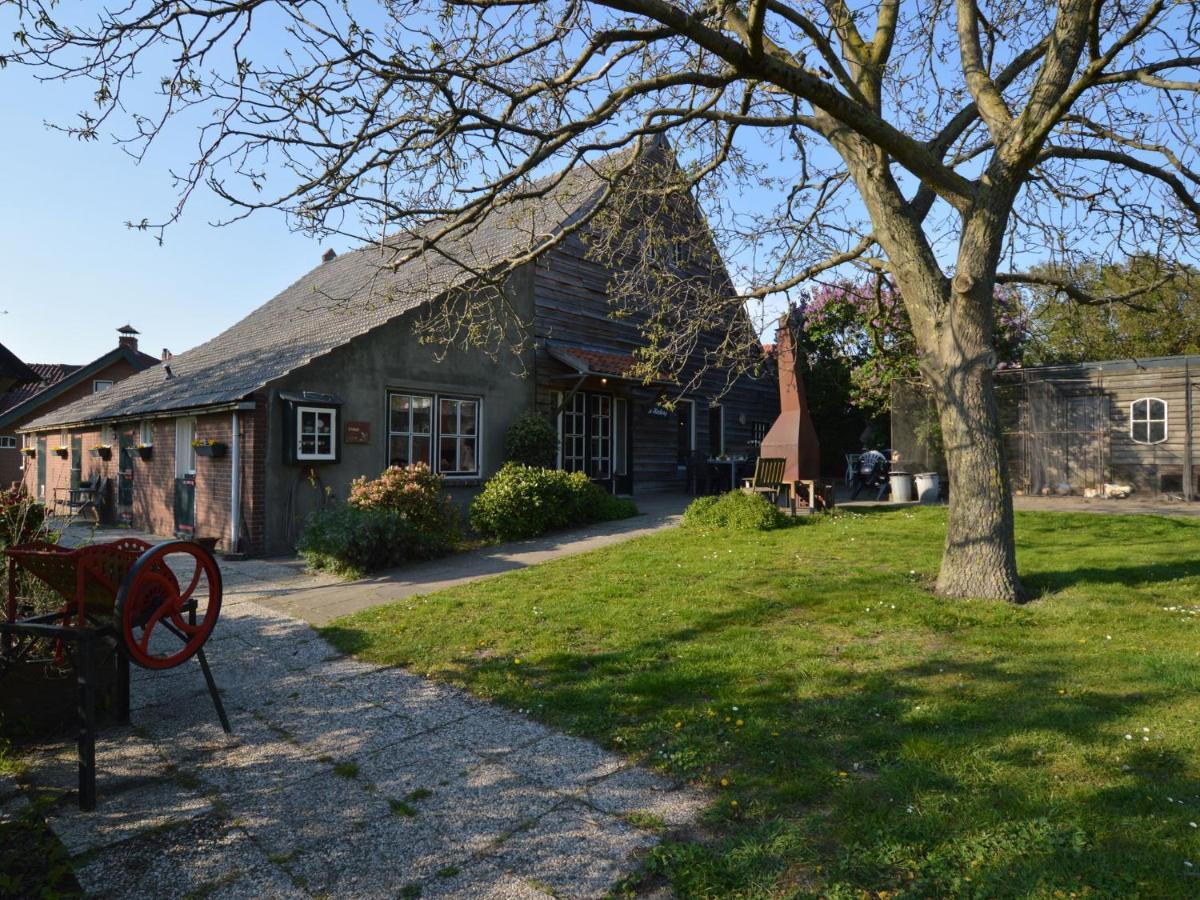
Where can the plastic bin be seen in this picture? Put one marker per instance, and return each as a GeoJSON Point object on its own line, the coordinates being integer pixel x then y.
{"type": "Point", "coordinates": [928, 487]}
{"type": "Point", "coordinates": [902, 487]}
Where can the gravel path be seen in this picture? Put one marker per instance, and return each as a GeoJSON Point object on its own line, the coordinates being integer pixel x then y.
{"type": "Point", "coordinates": [341, 779]}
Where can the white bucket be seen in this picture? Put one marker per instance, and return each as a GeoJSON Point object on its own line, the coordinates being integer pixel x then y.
{"type": "Point", "coordinates": [928, 487]}
{"type": "Point", "coordinates": [902, 487]}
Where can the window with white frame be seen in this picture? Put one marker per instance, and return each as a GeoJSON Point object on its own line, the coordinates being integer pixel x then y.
{"type": "Point", "coordinates": [101, 384]}
{"type": "Point", "coordinates": [1148, 420]}
{"type": "Point", "coordinates": [574, 433]}
{"type": "Point", "coordinates": [410, 429]}
{"type": "Point", "coordinates": [146, 434]}
{"type": "Point", "coordinates": [458, 436]}
{"type": "Point", "coordinates": [8, 442]}
{"type": "Point", "coordinates": [316, 433]}
{"type": "Point", "coordinates": [601, 436]}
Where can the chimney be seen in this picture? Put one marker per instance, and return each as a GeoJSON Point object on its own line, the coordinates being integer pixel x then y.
{"type": "Point", "coordinates": [166, 364]}
{"type": "Point", "coordinates": [793, 436]}
{"type": "Point", "coordinates": [128, 337]}
{"type": "Point", "coordinates": [328, 255]}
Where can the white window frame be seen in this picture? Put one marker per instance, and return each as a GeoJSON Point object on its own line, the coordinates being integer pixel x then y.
{"type": "Point", "coordinates": [568, 459]}
{"type": "Point", "coordinates": [316, 455]}
{"type": "Point", "coordinates": [600, 442]}
{"type": "Point", "coordinates": [146, 433]}
{"type": "Point", "coordinates": [409, 434]}
{"type": "Point", "coordinates": [435, 430]}
{"type": "Point", "coordinates": [458, 436]}
{"type": "Point", "coordinates": [185, 453]}
{"type": "Point", "coordinates": [107, 382]}
{"type": "Point", "coordinates": [8, 442]}
{"type": "Point", "coordinates": [1149, 420]}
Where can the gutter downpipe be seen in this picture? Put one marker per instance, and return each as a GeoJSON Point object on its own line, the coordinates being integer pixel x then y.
{"type": "Point", "coordinates": [235, 484]}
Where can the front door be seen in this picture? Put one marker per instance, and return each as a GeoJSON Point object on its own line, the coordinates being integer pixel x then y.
{"type": "Point", "coordinates": [41, 464]}
{"type": "Point", "coordinates": [185, 477]}
{"type": "Point", "coordinates": [125, 454]}
{"type": "Point", "coordinates": [587, 436]}
{"type": "Point", "coordinates": [76, 461]}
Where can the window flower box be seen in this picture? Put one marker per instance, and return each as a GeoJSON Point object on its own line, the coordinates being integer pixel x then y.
{"type": "Point", "coordinates": [214, 449]}
{"type": "Point", "coordinates": [145, 451]}
{"type": "Point", "coordinates": [31, 452]}
{"type": "Point", "coordinates": [102, 451]}
{"type": "Point", "coordinates": [62, 452]}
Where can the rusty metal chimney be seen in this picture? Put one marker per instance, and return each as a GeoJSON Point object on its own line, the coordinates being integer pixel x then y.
{"type": "Point", "coordinates": [793, 436]}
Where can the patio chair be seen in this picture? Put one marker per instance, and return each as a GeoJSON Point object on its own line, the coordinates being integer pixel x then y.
{"type": "Point", "coordinates": [768, 477]}
{"type": "Point", "coordinates": [851, 466]}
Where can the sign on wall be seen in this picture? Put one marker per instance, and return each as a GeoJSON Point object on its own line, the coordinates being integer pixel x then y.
{"type": "Point", "coordinates": [358, 432]}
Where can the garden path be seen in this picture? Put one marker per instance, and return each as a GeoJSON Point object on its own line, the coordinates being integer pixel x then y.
{"type": "Point", "coordinates": [340, 779]}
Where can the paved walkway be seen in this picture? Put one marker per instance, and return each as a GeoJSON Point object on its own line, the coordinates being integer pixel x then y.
{"type": "Point", "coordinates": [322, 603]}
{"type": "Point", "coordinates": [345, 779]}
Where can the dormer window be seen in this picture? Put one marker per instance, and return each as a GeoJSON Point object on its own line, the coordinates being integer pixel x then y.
{"type": "Point", "coordinates": [1148, 420]}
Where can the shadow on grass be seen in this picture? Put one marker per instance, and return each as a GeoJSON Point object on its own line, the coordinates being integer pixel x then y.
{"type": "Point", "coordinates": [941, 776]}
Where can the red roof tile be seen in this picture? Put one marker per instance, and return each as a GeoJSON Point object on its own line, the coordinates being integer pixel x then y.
{"type": "Point", "coordinates": [49, 373]}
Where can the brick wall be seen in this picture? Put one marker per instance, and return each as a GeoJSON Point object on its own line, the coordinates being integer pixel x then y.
{"type": "Point", "coordinates": [11, 460]}
{"type": "Point", "coordinates": [153, 508]}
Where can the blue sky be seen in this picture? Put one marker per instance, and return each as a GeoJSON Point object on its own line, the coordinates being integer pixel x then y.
{"type": "Point", "coordinates": [72, 271]}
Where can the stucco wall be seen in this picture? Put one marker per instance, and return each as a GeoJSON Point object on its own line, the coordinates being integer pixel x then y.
{"type": "Point", "coordinates": [360, 374]}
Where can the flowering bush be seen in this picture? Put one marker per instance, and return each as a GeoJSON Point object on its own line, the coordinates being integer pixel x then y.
{"type": "Point", "coordinates": [415, 493]}
{"type": "Point", "coordinates": [525, 501]}
{"type": "Point", "coordinates": [737, 509]}
{"type": "Point", "coordinates": [867, 326]}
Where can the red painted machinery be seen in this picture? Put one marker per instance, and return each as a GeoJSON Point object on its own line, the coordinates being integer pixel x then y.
{"type": "Point", "coordinates": [157, 604]}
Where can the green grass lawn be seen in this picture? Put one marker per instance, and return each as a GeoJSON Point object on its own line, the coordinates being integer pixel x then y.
{"type": "Point", "coordinates": [860, 736]}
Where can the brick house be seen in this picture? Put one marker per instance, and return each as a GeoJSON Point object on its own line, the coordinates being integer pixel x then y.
{"type": "Point", "coordinates": [56, 385]}
{"type": "Point", "coordinates": [243, 436]}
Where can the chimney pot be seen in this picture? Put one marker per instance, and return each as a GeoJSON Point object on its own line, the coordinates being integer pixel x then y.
{"type": "Point", "coordinates": [328, 255]}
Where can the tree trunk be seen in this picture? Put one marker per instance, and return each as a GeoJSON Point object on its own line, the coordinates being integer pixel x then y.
{"type": "Point", "coordinates": [980, 556]}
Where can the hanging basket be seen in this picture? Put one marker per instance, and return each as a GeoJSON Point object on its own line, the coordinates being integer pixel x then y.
{"type": "Point", "coordinates": [144, 452]}
{"type": "Point", "coordinates": [31, 452]}
{"type": "Point", "coordinates": [215, 450]}
{"type": "Point", "coordinates": [102, 452]}
{"type": "Point", "coordinates": [61, 452]}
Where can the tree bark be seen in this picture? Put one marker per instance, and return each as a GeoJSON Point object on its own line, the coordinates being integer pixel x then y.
{"type": "Point", "coordinates": [980, 557]}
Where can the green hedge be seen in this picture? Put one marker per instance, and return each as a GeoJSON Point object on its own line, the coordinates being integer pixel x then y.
{"type": "Point", "coordinates": [738, 510]}
{"type": "Point", "coordinates": [353, 540]}
{"type": "Point", "coordinates": [532, 441]}
{"type": "Point", "coordinates": [526, 501]}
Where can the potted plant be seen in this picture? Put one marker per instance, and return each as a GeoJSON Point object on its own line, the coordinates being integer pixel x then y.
{"type": "Point", "coordinates": [145, 451]}
{"type": "Point", "coordinates": [102, 451]}
{"type": "Point", "coordinates": [62, 450]}
{"type": "Point", "coordinates": [209, 447]}
{"type": "Point", "coordinates": [31, 452]}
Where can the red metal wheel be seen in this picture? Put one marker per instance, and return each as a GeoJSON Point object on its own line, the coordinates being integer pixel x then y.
{"type": "Point", "coordinates": [168, 604]}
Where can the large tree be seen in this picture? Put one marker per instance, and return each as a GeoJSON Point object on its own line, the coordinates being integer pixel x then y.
{"type": "Point", "coordinates": [942, 143]}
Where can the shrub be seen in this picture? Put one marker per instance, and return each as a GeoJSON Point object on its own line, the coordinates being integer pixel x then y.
{"type": "Point", "coordinates": [525, 501]}
{"type": "Point", "coordinates": [532, 441]}
{"type": "Point", "coordinates": [737, 509]}
{"type": "Point", "coordinates": [415, 493]}
{"type": "Point", "coordinates": [351, 540]}
{"type": "Point", "coordinates": [22, 519]}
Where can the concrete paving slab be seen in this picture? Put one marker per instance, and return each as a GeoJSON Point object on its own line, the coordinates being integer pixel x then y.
{"type": "Point", "coordinates": [563, 763]}
{"type": "Point", "coordinates": [549, 854]}
{"type": "Point", "coordinates": [481, 882]}
{"type": "Point", "coordinates": [204, 857]}
{"type": "Point", "coordinates": [634, 790]}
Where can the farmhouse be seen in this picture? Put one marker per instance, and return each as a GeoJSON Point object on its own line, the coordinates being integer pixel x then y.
{"type": "Point", "coordinates": [242, 437]}
{"type": "Point", "coordinates": [54, 385]}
